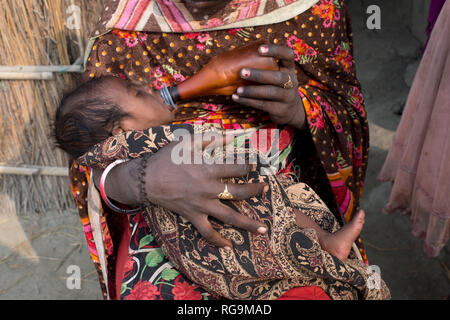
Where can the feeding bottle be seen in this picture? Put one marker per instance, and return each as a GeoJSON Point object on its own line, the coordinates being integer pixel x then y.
{"type": "Point", "coordinates": [220, 76]}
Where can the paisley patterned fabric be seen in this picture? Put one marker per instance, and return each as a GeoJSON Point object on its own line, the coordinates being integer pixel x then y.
{"type": "Point", "coordinates": [258, 266]}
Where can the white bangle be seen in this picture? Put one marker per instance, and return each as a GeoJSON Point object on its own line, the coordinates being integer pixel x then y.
{"type": "Point", "coordinates": [103, 193]}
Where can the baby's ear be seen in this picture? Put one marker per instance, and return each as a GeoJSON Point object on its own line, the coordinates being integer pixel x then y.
{"type": "Point", "coordinates": [117, 130]}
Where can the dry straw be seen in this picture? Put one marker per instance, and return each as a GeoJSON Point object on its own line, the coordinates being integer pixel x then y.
{"type": "Point", "coordinates": [35, 33]}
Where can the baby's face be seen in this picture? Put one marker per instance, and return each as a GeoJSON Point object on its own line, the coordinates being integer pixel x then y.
{"type": "Point", "coordinates": [144, 105]}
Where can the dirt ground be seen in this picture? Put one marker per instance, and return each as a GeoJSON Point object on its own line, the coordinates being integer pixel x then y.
{"type": "Point", "coordinates": [386, 61]}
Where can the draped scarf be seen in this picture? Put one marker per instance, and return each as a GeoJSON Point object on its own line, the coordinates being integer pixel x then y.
{"type": "Point", "coordinates": [258, 266]}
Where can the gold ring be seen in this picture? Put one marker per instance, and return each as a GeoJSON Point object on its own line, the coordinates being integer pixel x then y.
{"type": "Point", "coordinates": [288, 84]}
{"type": "Point", "coordinates": [225, 195]}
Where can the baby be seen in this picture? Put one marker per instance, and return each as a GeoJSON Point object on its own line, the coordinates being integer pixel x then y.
{"type": "Point", "coordinates": [109, 106]}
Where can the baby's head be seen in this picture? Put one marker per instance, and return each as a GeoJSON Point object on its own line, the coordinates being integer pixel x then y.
{"type": "Point", "coordinates": [103, 107]}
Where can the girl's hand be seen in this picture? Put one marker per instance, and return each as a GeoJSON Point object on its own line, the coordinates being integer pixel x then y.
{"type": "Point", "coordinates": [278, 96]}
{"type": "Point", "coordinates": [191, 190]}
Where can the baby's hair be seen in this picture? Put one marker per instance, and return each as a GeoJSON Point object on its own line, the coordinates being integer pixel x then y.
{"type": "Point", "coordinates": [85, 117]}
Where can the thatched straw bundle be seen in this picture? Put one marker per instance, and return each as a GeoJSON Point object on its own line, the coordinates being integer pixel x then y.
{"type": "Point", "coordinates": [35, 33]}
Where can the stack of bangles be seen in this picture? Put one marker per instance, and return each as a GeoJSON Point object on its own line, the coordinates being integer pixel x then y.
{"type": "Point", "coordinates": [142, 191]}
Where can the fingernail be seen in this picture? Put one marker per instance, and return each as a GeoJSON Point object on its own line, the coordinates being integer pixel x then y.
{"type": "Point", "coordinates": [235, 96]}
{"type": "Point", "coordinates": [245, 72]}
{"type": "Point", "coordinates": [227, 248]}
{"type": "Point", "coordinates": [264, 49]}
{"type": "Point", "coordinates": [262, 230]}
{"type": "Point", "coordinates": [240, 90]}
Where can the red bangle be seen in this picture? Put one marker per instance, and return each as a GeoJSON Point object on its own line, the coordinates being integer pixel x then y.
{"type": "Point", "coordinates": [103, 193]}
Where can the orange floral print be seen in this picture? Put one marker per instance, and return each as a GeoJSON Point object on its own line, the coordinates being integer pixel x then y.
{"type": "Point", "coordinates": [328, 10]}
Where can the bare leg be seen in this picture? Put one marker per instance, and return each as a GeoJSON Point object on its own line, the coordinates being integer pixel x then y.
{"type": "Point", "coordinates": [339, 243]}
